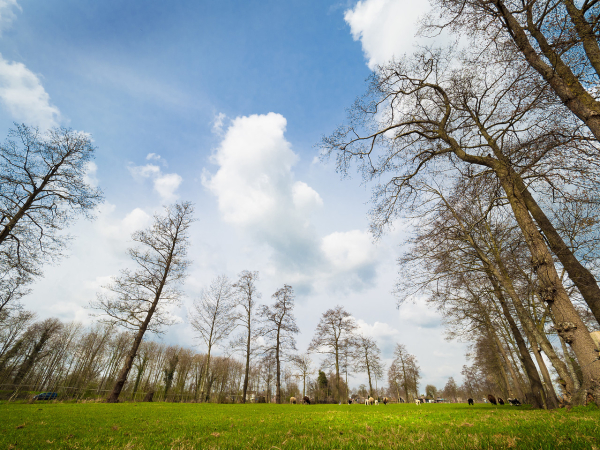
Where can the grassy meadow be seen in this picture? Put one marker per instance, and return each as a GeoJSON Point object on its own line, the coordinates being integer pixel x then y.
{"type": "Point", "coordinates": [211, 426]}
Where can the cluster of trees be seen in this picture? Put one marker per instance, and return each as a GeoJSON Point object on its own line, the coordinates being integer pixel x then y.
{"type": "Point", "coordinates": [49, 355]}
{"type": "Point", "coordinates": [491, 149]}
{"type": "Point", "coordinates": [44, 186]}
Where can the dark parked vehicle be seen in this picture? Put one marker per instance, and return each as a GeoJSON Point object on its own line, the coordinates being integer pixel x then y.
{"type": "Point", "coordinates": [46, 396]}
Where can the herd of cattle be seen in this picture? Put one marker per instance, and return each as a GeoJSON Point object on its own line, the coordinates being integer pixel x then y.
{"type": "Point", "coordinates": [385, 401]}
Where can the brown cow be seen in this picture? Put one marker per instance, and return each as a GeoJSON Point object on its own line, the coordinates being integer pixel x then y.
{"type": "Point", "coordinates": [305, 400]}
{"type": "Point", "coordinates": [492, 399]}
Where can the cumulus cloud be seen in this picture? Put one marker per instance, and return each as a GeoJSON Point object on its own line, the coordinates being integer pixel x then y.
{"type": "Point", "coordinates": [419, 313]}
{"type": "Point", "coordinates": [379, 330]}
{"type": "Point", "coordinates": [23, 95]}
{"type": "Point", "coordinates": [165, 184]}
{"type": "Point", "coordinates": [120, 229]}
{"type": "Point", "coordinates": [256, 190]}
{"type": "Point", "coordinates": [385, 28]}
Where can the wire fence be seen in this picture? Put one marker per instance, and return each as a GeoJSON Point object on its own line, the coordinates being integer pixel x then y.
{"type": "Point", "coordinates": [13, 392]}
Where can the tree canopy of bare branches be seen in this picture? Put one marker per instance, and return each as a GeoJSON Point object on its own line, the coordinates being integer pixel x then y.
{"type": "Point", "coordinates": [278, 327]}
{"type": "Point", "coordinates": [335, 328]}
{"type": "Point", "coordinates": [138, 300]}
{"type": "Point", "coordinates": [43, 187]}
{"type": "Point", "coordinates": [213, 316]}
{"type": "Point", "coordinates": [246, 297]}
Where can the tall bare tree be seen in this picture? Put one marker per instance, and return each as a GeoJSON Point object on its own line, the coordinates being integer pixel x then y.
{"type": "Point", "coordinates": [405, 372]}
{"type": "Point", "coordinates": [278, 327]}
{"type": "Point", "coordinates": [367, 357]}
{"type": "Point", "coordinates": [138, 300]}
{"type": "Point", "coordinates": [213, 318]}
{"type": "Point", "coordinates": [41, 333]}
{"type": "Point", "coordinates": [246, 297]}
{"type": "Point", "coordinates": [335, 328]}
{"type": "Point", "coordinates": [303, 364]}
{"type": "Point", "coordinates": [43, 187]}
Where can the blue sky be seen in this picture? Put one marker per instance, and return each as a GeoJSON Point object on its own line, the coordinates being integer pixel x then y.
{"type": "Point", "coordinates": [221, 103]}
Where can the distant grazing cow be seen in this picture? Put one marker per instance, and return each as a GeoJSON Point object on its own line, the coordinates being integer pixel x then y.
{"type": "Point", "coordinates": [376, 402]}
{"type": "Point", "coordinates": [371, 401]}
{"type": "Point", "coordinates": [500, 401]}
{"type": "Point", "coordinates": [349, 401]}
{"type": "Point", "coordinates": [292, 400]}
{"type": "Point", "coordinates": [385, 400]}
{"type": "Point", "coordinates": [514, 402]}
{"type": "Point", "coordinates": [417, 401]}
{"type": "Point", "coordinates": [492, 399]}
{"type": "Point", "coordinates": [305, 400]}
{"type": "Point", "coordinates": [470, 401]}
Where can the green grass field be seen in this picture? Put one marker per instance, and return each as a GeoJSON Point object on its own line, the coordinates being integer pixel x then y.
{"type": "Point", "coordinates": [202, 426]}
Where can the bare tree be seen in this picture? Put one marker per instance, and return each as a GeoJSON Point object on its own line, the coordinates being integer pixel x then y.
{"type": "Point", "coordinates": [246, 295]}
{"type": "Point", "coordinates": [335, 328]}
{"type": "Point", "coordinates": [41, 333]}
{"type": "Point", "coordinates": [213, 318]}
{"type": "Point", "coordinates": [303, 364]}
{"type": "Point", "coordinates": [278, 327]}
{"type": "Point", "coordinates": [138, 300]}
{"type": "Point", "coordinates": [12, 326]}
{"type": "Point", "coordinates": [43, 187]}
{"type": "Point", "coordinates": [368, 357]}
{"type": "Point", "coordinates": [405, 372]}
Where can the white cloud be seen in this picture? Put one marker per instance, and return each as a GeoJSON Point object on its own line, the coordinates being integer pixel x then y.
{"type": "Point", "coordinates": [350, 250]}
{"type": "Point", "coordinates": [120, 230]}
{"type": "Point", "coordinates": [147, 171]}
{"type": "Point", "coordinates": [90, 176]}
{"type": "Point", "coordinates": [385, 28]}
{"type": "Point", "coordinates": [157, 158]}
{"type": "Point", "coordinates": [257, 192]}
{"type": "Point", "coordinates": [379, 330]}
{"type": "Point", "coordinates": [218, 122]}
{"type": "Point", "coordinates": [165, 184]}
{"type": "Point", "coordinates": [24, 97]}
{"type": "Point", "coordinates": [419, 313]}
{"type": "Point", "coordinates": [7, 13]}
{"type": "Point", "coordinates": [254, 182]}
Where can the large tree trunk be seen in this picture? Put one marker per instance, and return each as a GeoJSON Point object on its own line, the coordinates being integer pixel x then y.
{"type": "Point", "coordinates": [118, 387]}
{"type": "Point", "coordinates": [569, 362]}
{"type": "Point", "coordinates": [579, 275]}
{"type": "Point", "coordinates": [370, 384]}
{"type": "Point", "coordinates": [568, 323]}
{"type": "Point", "coordinates": [278, 380]}
{"type": "Point", "coordinates": [204, 395]}
{"type": "Point", "coordinates": [337, 372]}
{"type": "Point", "coordinates": [247, 372]}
